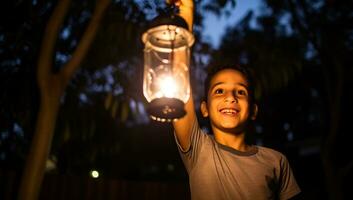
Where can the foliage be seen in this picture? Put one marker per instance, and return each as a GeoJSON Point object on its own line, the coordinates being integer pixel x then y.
{"type": "Point", "coordinates": [107, 84]}
{"type": "Point", "coordinates": [273, 55]}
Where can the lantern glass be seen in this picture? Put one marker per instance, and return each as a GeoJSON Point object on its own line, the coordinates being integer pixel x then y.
{"type": "Point", "coordinates": [166, 64]}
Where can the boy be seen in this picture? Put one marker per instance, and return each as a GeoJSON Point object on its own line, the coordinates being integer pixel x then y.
{"type": "Point", "coordinates": [224, 166]}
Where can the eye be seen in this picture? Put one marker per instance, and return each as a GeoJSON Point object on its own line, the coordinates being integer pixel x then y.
{"type": "Point", "coordinates": [241, 92]}
{"type": "Point", "coordinates": [219, 91]}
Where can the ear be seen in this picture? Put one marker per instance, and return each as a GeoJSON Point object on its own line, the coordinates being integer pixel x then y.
{"type": "Point", "coordinates": [254, 112]}
{"type": "Point", "coordinates": [204, 110]}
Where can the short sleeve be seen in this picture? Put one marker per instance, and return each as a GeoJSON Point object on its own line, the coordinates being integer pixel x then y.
{"type": "Point", "coordinates": [288, 187]}
{"type": "Point", "coordinates": [190, 154]}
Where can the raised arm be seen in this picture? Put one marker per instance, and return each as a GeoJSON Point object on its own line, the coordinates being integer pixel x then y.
{"type": "Point", "coordinates": [183, 126]}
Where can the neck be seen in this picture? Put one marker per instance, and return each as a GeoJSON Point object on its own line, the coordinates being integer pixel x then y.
{"type": "Point", "coordinates": [235, 141]}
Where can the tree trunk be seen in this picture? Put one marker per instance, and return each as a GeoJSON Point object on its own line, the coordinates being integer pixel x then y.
{"type": "Point", "coordinates": [35, 166]}
{"type": "Point", "coordinates": [52, 87]}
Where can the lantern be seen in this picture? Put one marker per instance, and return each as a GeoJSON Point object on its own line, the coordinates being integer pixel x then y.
{"type": "Point", "coordinates": [166, 84]}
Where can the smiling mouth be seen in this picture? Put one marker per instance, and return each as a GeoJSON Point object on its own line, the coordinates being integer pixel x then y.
{"type": "Point", "coordinates": [229, 111]}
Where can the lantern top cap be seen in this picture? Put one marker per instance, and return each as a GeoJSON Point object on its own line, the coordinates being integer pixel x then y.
{"type": "Point", "coordinates": [168, 19]}
{"type": "Point", "coordinates": [168, 31]}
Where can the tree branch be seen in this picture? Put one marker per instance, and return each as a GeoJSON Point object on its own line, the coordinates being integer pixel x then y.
{"type": "Point", "coordinates": [47, 49]}
{"type": "Point", "coordinates": [73, 64]}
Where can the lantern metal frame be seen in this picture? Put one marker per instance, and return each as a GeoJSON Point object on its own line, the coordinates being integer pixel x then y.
{"type": "Point", "coordinates": [167, 109]}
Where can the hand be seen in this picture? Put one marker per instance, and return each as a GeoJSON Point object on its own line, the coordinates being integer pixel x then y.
{"type": "Point", "coordinates": [186, 8]}
{"type": "Point", "coordinates": [182, 3]}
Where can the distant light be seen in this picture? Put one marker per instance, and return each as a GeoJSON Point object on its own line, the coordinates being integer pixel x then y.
{"type": "Point", "coordinates": [94, 174]}
{"type": "Point", "coordinates": [50, 164]}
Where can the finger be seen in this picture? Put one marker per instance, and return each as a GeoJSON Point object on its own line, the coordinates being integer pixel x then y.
{"type": "Point", "coordinates": [175, 2]}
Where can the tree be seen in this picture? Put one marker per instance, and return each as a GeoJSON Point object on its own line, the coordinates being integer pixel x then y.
{"type": "Point", "coordinates": [326, 28]}
{"type": "Point", "coordinates": [52, 86]}
{"type": "Point", "coordinates": [22, 38]}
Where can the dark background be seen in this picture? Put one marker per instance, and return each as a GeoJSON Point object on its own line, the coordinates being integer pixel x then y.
{"type": "Point", "coordinates": [300, 51]}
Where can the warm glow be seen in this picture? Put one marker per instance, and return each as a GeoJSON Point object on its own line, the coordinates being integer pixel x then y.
{"type": "Point", "coordinates": [94, 174]}
{"type": "Point", "coordinates": [168, 86]}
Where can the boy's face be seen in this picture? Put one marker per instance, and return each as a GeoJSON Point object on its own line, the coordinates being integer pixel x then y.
{"type": "Point", "coordinates": [228, 102]}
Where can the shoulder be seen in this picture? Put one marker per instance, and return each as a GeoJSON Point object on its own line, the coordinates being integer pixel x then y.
{"type": "Point", "coordinates": [198, 139]}
{"type": "Point", "coordinates": [271, 155]}
{"type": "Point", "coordinates": [269, 151]}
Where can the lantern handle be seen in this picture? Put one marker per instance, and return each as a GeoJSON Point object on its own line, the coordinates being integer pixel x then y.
{"type": "Point", "coordinates": [171, 8]}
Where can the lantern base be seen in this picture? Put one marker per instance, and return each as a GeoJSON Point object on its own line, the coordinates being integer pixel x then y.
{"type": "Point", "coordinates": [166, 109]}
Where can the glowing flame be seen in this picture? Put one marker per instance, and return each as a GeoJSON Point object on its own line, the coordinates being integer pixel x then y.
{"type": "Point", "coordinates": [168, 86]}
{"type": "Point", "coordinates": [94, 174]}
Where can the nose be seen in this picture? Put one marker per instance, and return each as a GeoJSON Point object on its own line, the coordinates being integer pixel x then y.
{"type": "Point", "coordinates": [231, 97]}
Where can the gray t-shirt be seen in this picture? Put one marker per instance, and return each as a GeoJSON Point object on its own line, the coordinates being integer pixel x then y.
{"type": "Point", "coordinates": [219, 172]}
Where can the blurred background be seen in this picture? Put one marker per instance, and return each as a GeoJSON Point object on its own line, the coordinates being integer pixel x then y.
{"type": "Point", "coordinates": [104, 144]}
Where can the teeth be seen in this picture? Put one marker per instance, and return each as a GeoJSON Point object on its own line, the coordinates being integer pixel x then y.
{"type": "Point", "coordinates": [228, 111]}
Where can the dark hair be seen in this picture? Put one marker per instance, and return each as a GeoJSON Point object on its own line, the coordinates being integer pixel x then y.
{"type": "Point", "coordinates": [245, 71]}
